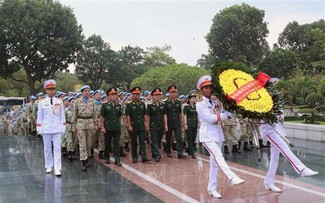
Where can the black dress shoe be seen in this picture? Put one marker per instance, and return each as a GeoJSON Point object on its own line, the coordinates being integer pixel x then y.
{"type": "Point", "coordinates": [193, 156]}
{"type": "Point", "coordinates": [157, 159]}
{"type": "Point", "coordinates": [134, 160]}
{"type": "Point", "coordinates": [169, 155]}
{"type": "Point", "coordinates": [107, 161]}
{"type": "Point", "coordinates": [101, 155]}
{"type": "Point", "coordinates": [117, 163]}
{"type": "Point", "coordinates": [84, 167]}
{"type": "Point", "coordinates": [145, 160]}
{"type": "Point", "coordinates": [181, 156]}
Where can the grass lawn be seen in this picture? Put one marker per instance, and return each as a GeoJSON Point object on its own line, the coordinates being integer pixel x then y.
{"type": "Point", "coordinates": [302, 122]}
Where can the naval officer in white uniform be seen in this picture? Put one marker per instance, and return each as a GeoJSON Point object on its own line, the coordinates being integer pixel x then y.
{"type": "Point", "coordinates": [273, 132]}
{"type": "Point", "coordinates": [51, 125]}
{"type": "Point", "coordinates": [211, 135]}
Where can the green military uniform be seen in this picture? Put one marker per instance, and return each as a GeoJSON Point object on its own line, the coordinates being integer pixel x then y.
{"type": "Point", "coordinates": [85, 118]}
{"type": "Point", "coordinates": [156, 112]}
{"type": "Point", "coordinates": [111, 113]}
{"type": "Point", "coordinates": [192, 124]}
{"type": "Point", "coordinates": [136, 112]}
{"type": "Point", "coordinates": [173, 110]}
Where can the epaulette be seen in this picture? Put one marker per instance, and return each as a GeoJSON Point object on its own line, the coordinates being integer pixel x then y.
{"type": "Point", "coordinates": [164, 100]}
{"type": "Point", "coordinates": [150, 102]}
{"type": "Point", "coordinates": [178, 99]}
{"type": "Point", "coordinates": [105, 102]}
{"type": "Point", "coordinates": [129, 102]}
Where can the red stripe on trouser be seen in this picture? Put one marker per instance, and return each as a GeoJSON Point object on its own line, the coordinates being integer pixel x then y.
{"type": "Point", "coordinates": [292, 163]}
{"type": "Point", "coordinates": [212, 155]}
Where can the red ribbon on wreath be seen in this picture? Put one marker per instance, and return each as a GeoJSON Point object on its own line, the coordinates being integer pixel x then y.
{"type": "Point", "coordinates": [250, 87]}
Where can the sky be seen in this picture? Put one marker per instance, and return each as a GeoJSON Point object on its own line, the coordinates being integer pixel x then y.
{"type": "Point", "coordinates": [179, 23]}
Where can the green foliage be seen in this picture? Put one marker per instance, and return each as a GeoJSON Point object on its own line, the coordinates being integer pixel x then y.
{"type": "Point", "coordinates": [39, 36]}
{"type": "Point", "coordinates": [11, 88]}
{"type": "Point", "coordinates": [66, 82]}
{"type": "Point", "coordinates": [131, 61]}
{"type": "Point", "coordinates": [97, 62]}
{"type": "Point", "coordinates": [321, 87]}
{"type": "Point", "coordinates": [183, 76]}
{"type": "Point", "coordinates": [280, 63]}
{"type": "Point", "coordinates": [308, 41]}
{"type": "Point", "coordinates": [238, 34]}
{"type": "Point", "coordinates": [157, 56]}
{"type": "Point", "coordinates": [206, 61]}
{"type": "Point", "coordinates": [315, 99]}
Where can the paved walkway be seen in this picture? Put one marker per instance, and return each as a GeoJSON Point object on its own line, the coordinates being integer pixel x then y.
{"type": "Point", "coordinates": [23, 178]}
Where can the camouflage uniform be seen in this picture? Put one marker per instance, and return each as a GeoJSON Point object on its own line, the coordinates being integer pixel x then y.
{"type": "Point", "coordinates": [25, 123]}
{"type": "Point", "coordinates": [30, 117]}
{"type": "Point", "coordinates": [229, 131]}
{"type": "Point", "coordinates": [85, 117]}
{"type": "Point", "coordinates": [246, 133]}
{"type": "Point", "coordinates": [34, 112]}
{"type": "Point", "coordinates": [68, 131]}
{"type": "Point", "coordinates": [125, 138]}
{"type": "Point", "coordinates": [98, 135]}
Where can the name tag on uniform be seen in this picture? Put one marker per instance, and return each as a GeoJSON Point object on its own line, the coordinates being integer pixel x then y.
{"type": "Point", "coordinates": [46, 106]}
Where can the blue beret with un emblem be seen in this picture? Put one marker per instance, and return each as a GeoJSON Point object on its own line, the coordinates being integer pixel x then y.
{"type": "Point", "coordinates": [84, 87]}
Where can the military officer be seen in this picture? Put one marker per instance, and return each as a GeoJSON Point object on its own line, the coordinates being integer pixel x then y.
{"type": "Point", "coordinates": [191, 123]}
{"type": "Point", "coordinates": [173, 121]}
{"type": "Point", "coordinates": [110, 122]}
{"type": "Point", "coordinates": [51, 125]}
{"type": "Point", "coordinates": [155, 117]}
{"type": "Point", "coordinates": [211, 135]}
{"type": "Point", "coordinates": [84, 123]}
{"type": "Point", "coordinates": [135, 116]}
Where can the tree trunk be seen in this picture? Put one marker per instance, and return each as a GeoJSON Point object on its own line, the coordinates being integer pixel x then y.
{"type": "Point", "coordinates": [31, 83]}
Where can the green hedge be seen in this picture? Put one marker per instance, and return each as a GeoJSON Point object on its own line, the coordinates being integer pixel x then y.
{"type": "Point", "coordinates": [301, 118]}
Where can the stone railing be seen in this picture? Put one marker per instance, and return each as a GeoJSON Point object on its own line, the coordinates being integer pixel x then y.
{"type": "Point", "coordinates": [305, 131]}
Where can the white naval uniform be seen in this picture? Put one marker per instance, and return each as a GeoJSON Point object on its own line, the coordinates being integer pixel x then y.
{"type": "Point", "coordinates": [211, 135]}
{"type": "Point", "coordinates": [278, 145]}
{"type": "Point", "coordinates": [51, 125]}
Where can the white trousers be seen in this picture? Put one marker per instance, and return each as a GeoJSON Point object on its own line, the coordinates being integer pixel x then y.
{"type": "Point", "coordinates": [217, 161]}
{"type": "Point", "coordinates": [278, 145]}
{"type": "Point", "coordinates": [47, 140]}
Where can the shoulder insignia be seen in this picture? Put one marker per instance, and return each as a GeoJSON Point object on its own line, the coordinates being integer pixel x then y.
{"type": "Point", "coordinates": [129, 102]}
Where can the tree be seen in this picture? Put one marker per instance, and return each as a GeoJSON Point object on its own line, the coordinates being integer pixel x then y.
{"type": "Point", "coordinates": [308, 41]}
{"type": "Point", "coordinates": [280, 63]}
{"type": "Point", "coordinates": [131, 65]}
{"type": "Point", "coordinates": [206, 61]}
{"type": "Point", "coordinates": [10, 87]}
{"type": "Point", "coordinates": [238, 34]}
{"type": "Point", "coordinates": [183, 76]}
{"type": "Point", "coordinates": [40, 37]}
{"type": "Point", "coordinates": [97, 62]}
{"type": "Point", "coordinates": [315, 99]}
{"type": "Point", "coordinates": [157, 56]}
{"type": "Point", "coordinates": [67, 82]}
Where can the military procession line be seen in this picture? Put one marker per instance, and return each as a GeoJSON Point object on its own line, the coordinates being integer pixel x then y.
{"type": "Point", "coordinates": [150, 118]}
{"type": "Point", "coordinates": [80, 122]}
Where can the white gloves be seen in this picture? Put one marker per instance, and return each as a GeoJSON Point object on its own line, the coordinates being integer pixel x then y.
{"type": "Point", "coordinates": [226, 115]}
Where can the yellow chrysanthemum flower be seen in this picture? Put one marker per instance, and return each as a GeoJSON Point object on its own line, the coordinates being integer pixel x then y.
{"type": "Point", "coordinates": [259, 101]}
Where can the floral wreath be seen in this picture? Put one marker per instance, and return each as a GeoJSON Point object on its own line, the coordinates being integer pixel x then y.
{"type": "Point", "coordinates": [246, 91]}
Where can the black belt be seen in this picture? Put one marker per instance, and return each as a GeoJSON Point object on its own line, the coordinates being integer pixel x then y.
{"type": "Point", "coordinates": [85, 117]}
